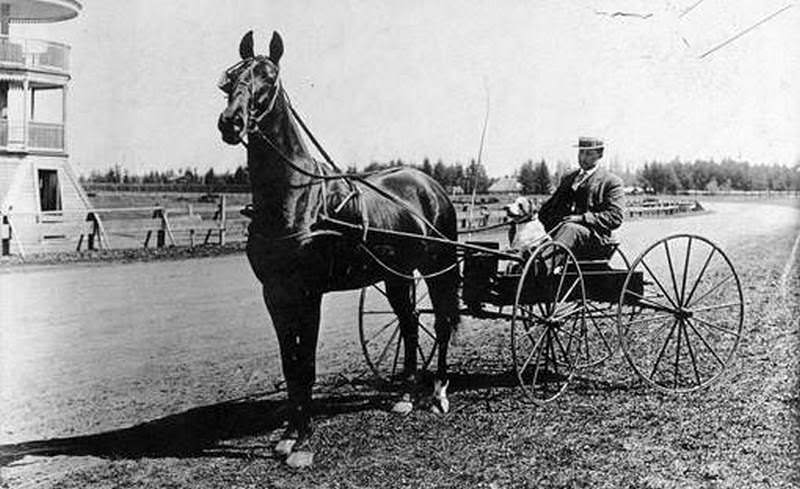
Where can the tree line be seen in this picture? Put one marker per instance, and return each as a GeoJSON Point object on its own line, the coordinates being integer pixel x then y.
{"type": "Point", "coordinates": [533, 177]}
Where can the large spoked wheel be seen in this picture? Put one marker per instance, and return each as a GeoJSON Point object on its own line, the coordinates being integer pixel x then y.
{"type": "Point", "coordinates": [690, 317]}
{"type": "Point", "coordinates": [547, 323]}
{"type": "Point", "coordinates": [601, 342]}
{"type": "Point", "coordinates": [379, 330]}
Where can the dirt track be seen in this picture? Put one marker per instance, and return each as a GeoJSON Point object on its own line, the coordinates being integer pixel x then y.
{"type": "Point", "coordinates": [89, 349]}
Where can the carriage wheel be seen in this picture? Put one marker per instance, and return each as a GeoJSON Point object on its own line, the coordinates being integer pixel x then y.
{"type": "Point", "coordinates": [690, 317]}
{"type": "Point", "coordinates": [601, 322]}
{"type": "Point", "coordinates": [547, 323]}
{"type": "Point", "coordinates": [379, 330]}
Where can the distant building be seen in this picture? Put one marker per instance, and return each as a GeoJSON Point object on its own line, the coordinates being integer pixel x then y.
{"type": "Point", "coordinates": [42, 204]}
{"type": "Point", "coordinates": [505, 185]}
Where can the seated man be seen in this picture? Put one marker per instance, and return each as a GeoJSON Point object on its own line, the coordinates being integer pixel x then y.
{"type": "Point", "coordinates": [586, 206]}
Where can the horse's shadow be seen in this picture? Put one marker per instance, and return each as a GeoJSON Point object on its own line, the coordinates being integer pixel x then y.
{"type": "Point", "coordinates": [197, 432]}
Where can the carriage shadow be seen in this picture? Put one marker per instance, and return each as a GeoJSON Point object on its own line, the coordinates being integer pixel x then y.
{"type": "Point", "coordinates": [197, 432]}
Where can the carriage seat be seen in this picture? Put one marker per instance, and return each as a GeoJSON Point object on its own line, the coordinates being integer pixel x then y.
{"type": "Point", "coordinates": [598, 258]}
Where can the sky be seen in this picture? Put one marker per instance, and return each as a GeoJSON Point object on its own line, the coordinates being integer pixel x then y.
{"type": "Point", "coordinates": [380, 80]}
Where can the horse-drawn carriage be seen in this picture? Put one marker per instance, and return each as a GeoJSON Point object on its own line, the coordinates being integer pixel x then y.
{"type": "Point", "coordinates": [677, 309]}
{"type": "Point", "coordinates": [676, 312]}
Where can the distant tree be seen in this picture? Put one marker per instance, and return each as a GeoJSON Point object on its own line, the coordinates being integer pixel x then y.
{"type": "Point", "coordinates": [526, 176]}
{"type": "Point", "coordinates": [209, 178]}
{"type": "Point", "coordinates": [440, 173]}
{"type": "Point", "coordinates": [541, 178]}
{"type": "Point", "coordinates": [426, 167]}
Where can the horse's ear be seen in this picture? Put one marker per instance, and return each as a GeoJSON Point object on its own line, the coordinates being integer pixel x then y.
{"type": "Point", "coordinates": [246, 46]}
{"type": "Point", "coordinates": [275, 47]}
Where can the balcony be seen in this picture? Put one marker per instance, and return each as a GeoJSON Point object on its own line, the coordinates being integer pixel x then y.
{"type": "Point", "coordinates": [39, 136]}
{"type": "Point", "coordinates": [33, 54]}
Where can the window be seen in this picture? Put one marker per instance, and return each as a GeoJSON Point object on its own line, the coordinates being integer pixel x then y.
{"type": "Point", "coordinates": [49, 192]}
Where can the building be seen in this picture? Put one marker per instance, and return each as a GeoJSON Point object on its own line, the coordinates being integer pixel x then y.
{"type": "Point", "coordinates": [42, 203]}
{"type": "Point", "coordinates": [505, 185]}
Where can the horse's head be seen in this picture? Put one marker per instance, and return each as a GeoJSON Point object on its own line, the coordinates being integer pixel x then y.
{"type": "Point", "coordinates": [252, 86]}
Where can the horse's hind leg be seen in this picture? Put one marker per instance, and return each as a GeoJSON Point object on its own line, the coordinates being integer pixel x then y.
{"type": "Point", "coordinates": [444, 298]}
{"type": "Point", "coordinates": [399, 292]}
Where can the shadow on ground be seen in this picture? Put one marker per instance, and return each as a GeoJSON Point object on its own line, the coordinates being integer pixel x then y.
{"type": "Point", "coordinates": [196, 432]}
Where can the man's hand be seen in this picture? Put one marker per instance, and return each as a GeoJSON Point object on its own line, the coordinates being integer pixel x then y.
{"type": "Point", "coordinates": [577, 218]}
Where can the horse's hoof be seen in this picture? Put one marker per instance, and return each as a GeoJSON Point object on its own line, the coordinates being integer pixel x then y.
{"type": "Point", "coordinates": [440, 406]}
{"type": "Point", "coordinates": [404, 405]}
{"type": "Point", "coordinates": [439, 402]}
{"type": "Point", "coordinates": [300, 459]}
{"type": "Point", "coordinates": [284, 447]}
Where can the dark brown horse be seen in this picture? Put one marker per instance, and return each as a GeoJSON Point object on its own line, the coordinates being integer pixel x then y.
{"type": "Point", "coordinates": [298, 251]}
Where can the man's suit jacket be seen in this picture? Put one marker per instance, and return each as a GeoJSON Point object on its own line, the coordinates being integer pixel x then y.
{"type": "Point", "coordinates": [598, 200]}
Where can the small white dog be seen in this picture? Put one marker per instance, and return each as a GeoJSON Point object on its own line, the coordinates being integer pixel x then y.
{"type": "Point", "coordinates": [527, 231]}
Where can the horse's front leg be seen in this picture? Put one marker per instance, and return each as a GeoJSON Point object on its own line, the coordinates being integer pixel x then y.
{"type": "Point", "coordinates": [296, 320]}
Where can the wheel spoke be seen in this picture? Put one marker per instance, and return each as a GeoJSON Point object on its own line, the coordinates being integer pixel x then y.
{"type": "Point", "coordinates": [658, 282]}
{"type": "Point", "coordinates": [705, 343]}
{"type": "Point", "coordinates": [714, 326]}
{"type": "Point", "coordinates": [383, 292]}
{"type": "Point", "coordinates": [396, 355]}
{"type": "Point", "coordinates": [663, 349]}
{"type": "Point", "coordinates": [718, 306]}
{"type": "Point", "coordinates": [384, 328]}
{"type": "Point", "coordinates": [602, 336]}
{"type": "Point", "coordinates": [677, 354]}
{"type": "Point", "coordinates": [653, 304]}
{"type": "Point", "coordinates": [671, 271]}
{"type": "Point", "coordinates": [712, 289]}
{"type": "Point", "coordinates": [386, 348]}
{"type": "Point", "coordinates": [647, 320]}
{"type": "Point", "coordinates": [426, 330]}
{"type": "Point", "coordinates": [560, 286]}
{"type": "Point", "coordinates": [569, 292]}
{"type": "Point", "coordinates": [685, 271]}
{"type": "Point", "coordinates": [691, 354]}
{"type": "Point", "coordinates": [535, 351]}
{"type": "Point", "coordinates": [700, 275]}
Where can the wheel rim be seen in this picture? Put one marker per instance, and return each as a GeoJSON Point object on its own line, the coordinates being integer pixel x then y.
{"type": "Point", "coordinates": [691, 317]}
{"type": "Point", "coordinates": [547, 330]}
{"type": "Point", "coordinates": [379, 331]}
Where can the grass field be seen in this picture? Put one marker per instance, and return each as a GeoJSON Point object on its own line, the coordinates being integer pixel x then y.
{"type": "Point", "coordinates": [608, 430]}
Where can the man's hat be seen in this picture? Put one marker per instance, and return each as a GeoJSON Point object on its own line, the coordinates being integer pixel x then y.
{"type": "Point", "coordinates": [589, 143]}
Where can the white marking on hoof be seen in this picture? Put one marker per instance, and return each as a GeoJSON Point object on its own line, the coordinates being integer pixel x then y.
{"type": "Point", "coordinates": [441, 405]}
{"type": "Point", "coordinates": [284, 447]}
{"type": "Point", "coordinates": [300, 459]}
{"type": "Point", "coordinates": [404, 405]}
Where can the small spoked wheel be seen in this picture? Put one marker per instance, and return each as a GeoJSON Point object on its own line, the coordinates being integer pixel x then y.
{"type": "Point", "coordinates": [547, 323]}
{"type": "Point", "coordinates": [601, 342]}
{"type": "Point", "coordinates": [379, 330]}
{"type": "Point", "coordinates": [690, 313]}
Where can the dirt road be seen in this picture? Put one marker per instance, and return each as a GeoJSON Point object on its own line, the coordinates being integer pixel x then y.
{"type": "Point", "coordinates": [91, 348]}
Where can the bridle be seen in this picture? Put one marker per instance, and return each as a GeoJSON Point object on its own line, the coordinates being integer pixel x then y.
{"type": "Point", "coordinates": [252, 120]}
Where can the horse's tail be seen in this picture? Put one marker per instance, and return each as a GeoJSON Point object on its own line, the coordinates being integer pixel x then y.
{"type": "Point", "coordinates": [447, 258]}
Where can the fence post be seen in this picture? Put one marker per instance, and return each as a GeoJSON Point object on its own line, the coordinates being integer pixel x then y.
{"type": "Point", "coordinates": [161, 233]}
{"type": "Point", "coordinates": [222, 219]}
{"type": "Point", "coordinates": [5, 235]}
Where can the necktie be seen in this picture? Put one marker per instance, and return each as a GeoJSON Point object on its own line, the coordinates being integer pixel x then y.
{"type": "Point", "coordinates": [579, 179]}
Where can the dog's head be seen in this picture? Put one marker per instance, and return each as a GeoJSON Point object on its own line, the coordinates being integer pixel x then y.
{"type": "Point", "coordinates": [521, 207]}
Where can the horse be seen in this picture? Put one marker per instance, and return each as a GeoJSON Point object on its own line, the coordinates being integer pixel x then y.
{"type": "Point", "coordinates": [315, 230]}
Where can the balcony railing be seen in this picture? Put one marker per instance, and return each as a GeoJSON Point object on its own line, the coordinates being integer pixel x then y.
{"type": "Point", "coordinates": [40, 136]}
{"type": "Point", "coordinates": [34, 54]}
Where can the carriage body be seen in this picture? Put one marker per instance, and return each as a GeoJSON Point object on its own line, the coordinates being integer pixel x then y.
{"type": "Point", "coordinates": [675, 311]}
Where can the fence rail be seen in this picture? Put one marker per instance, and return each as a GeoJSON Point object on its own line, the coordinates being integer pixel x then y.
{"type": "Point", "coordinates": [194, 224]}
